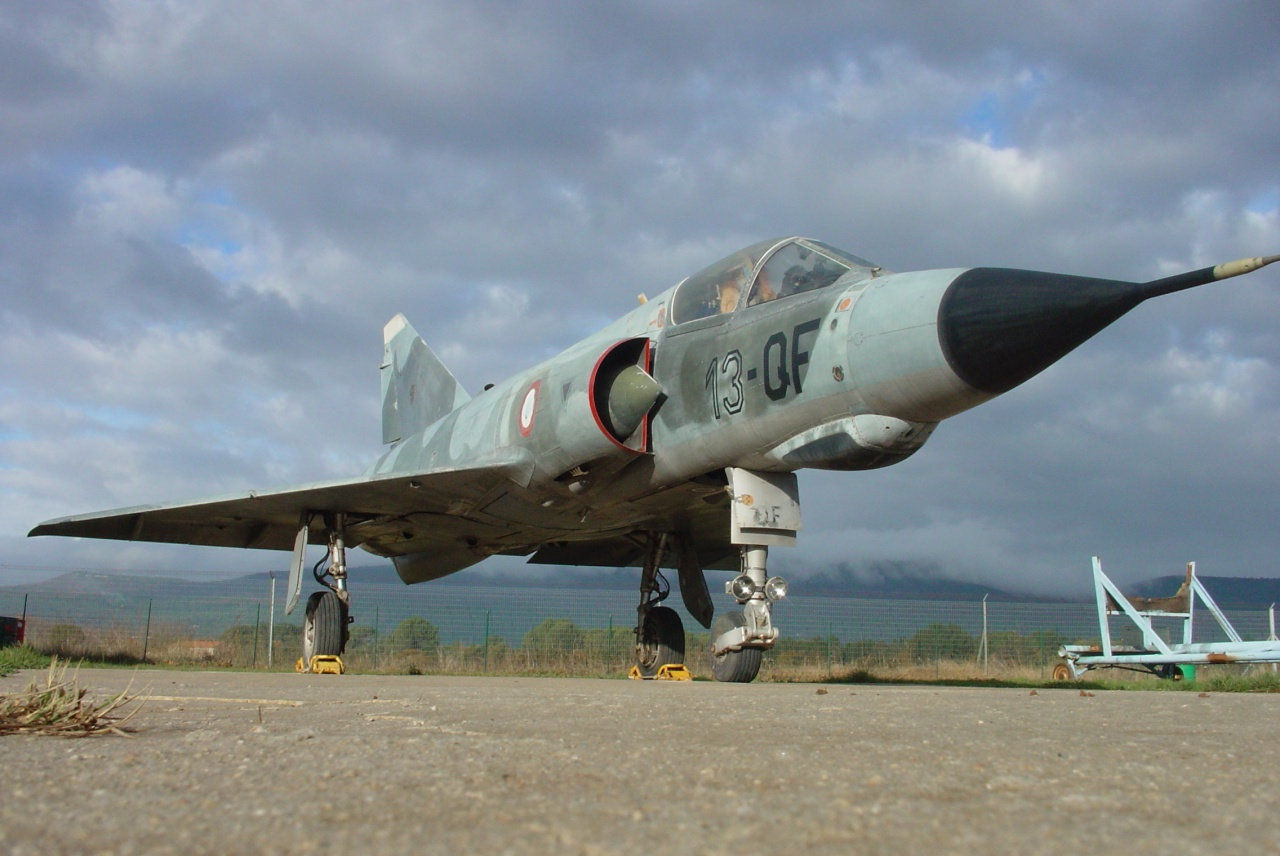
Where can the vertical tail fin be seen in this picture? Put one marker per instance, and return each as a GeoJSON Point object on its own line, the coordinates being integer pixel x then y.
{"type": "Point", "coordinates": [417, 389]}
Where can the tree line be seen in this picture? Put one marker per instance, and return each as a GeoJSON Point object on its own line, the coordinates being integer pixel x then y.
{"type": "Point", "coordinates": [558, 644]}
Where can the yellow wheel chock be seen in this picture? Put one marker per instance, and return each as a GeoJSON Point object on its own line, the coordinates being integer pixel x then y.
{"type": "Point", "coordinates": [322, 664]}
{"type": "Point", "coordinates": [666, 672]}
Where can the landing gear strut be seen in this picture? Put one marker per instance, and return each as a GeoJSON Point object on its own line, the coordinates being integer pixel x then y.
{"type": "Point", "coordinates": [324, 629]}
{"type": "Point", "coordinates": [659, 630]}
{"type": "Point", "coordinates": [765, 511]}
{"type": "Point", "coordinates": [739, 638]}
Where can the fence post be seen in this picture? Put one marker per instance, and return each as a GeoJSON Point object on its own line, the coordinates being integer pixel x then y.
{"type": "Point", "coordinates": [486, 639]}
{"type": "Point", "coordinates": [271, 620]}
{"type": "Point", "coordinates": [257, 622]}
{"type": "Point", "coordinates": [376, 616]}
{"type": "Point", "coordinates": [983, 649]}
{"type": "Point", "coordinates": [146, 635]}
{"type": "Point", "coordinates": [830, 632]}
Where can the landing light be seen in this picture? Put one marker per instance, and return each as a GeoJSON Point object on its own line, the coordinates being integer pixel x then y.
{"type": "Point", "coordinates": [775, 588]}
{"type": "Point", "coordinates": [742, 588]}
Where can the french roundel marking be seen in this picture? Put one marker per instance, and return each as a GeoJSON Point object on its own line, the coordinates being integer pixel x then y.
{"type": "Point", "coordinates": [527, 409]}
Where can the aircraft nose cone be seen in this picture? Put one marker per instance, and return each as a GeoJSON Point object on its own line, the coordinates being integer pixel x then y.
{"type": "Point", "coordinates": [999, 327]}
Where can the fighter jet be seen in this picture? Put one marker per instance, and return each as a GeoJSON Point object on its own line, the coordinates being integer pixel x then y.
{"type": "Point", "coordinates": [670, 439]}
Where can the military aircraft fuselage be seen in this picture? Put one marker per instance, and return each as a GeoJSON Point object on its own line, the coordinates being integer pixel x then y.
{"type": "Point", "coordinates": [846, 366]}
{"type": "Point", "coordinates": [846, 376]}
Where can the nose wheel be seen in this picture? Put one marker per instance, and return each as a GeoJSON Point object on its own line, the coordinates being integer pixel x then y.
{"type": "Point", "coordinates": [739, 637]}
{"type": "Point", "coordinates": [729, 666]}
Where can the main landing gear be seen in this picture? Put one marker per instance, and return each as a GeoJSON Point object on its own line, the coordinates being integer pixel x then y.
{"type": "Point", "coordinates": [328, 613]}
{"type": "Point", "coordinates": [659, 630]}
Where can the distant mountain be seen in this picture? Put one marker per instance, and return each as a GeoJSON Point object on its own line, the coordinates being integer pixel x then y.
{"type": "Point", "coordinates": [89, 583]}
{"type": "Point", "coordinates": [1228, 592]}
{"type": "Point", "coordinates": [872, 581]}
{"type": "Point", "coordinates": [896, 582]}
{"type": "Point", "coordinates": [889, 580]}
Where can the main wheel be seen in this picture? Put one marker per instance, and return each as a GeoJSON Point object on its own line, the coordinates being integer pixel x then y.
{"type": "Point", "coordinates": [734, 667]}
{"type": "Point", "coordinates": [661, 641]}
{"type": "Point", "coordinates": [324, 631]}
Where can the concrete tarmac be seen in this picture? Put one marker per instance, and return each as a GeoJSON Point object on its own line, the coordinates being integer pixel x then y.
{"type": "Point", "coordinates": [226, 762]}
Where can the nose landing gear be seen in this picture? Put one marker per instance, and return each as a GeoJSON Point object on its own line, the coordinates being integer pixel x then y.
{"type": "Point", "coordinates": [765, 511]}
{"type": "Point", "coordinates": [740, 637]}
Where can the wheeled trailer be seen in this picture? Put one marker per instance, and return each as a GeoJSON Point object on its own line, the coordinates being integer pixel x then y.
{"type": "Point", "coordinates": [1155, 655]}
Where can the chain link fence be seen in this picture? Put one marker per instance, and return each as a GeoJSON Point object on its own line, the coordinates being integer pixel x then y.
{"type": "Point", "coordinates": [501, 629]}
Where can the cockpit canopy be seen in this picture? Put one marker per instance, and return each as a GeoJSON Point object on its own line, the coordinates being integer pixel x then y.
{"type": "Point", "coordinates": [773, 269]}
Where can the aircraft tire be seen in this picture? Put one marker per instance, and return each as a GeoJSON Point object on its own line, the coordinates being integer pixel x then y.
{"type": "Point", "coordinates": [734, 667]}
{"type": "Point", "coordinates": [324, 632]}
{"type": "Point", "coordinates": [662, 640]}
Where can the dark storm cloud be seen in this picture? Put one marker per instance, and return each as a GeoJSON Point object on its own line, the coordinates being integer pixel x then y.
{"type": "Point", "coordinates": [208, 210]}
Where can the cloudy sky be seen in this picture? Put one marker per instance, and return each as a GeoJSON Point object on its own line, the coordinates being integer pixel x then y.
{"type": "Point", "coordinates": [209, 210]}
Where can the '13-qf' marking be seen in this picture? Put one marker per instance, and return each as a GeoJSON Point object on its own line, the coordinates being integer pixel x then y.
{"type": "Point", "coordinates": [724, 375]}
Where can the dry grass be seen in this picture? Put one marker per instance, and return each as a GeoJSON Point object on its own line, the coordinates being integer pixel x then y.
{"type": "Point", "coordinates": [62, 707]}
{"type": "Point", "coordinates": [905, 670]}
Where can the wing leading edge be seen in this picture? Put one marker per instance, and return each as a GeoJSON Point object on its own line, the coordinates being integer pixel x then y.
{"type": "Point", "coordinates": [374, 507]}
